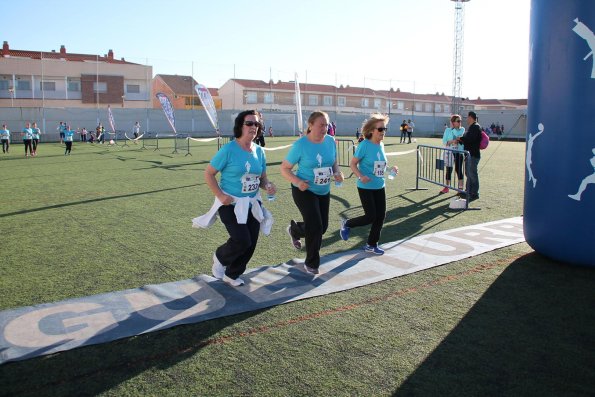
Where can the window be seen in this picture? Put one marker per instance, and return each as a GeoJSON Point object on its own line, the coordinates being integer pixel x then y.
{"type": "Point", "coordinates": [377, 103]}
{"type": "Point", "coordinates": [418, 107]}
{"type": "Point", "coordinates": [428, 107]}
{"type": "Point", "coordinates": [4, 85]}
{"type": "Point", "coordinates": [23, 85]}
{"type": "Point", "coordinates": [312, 100]}
{"type": "Point", "coordinates": [438, 108]}
{"type": "Point", "coordinates": [74, 86]}
{"type": "Point", "coordinates": [446, 108]}
{"type": "Point", "coordinates": [251, 97]}
{"type": "Point", "coordinates": [365, 102]}
{"type": "Point", "coordinates": [269, 97]}
{"type": "Point", "coordinates": [327, 100]}
{"type": "Point", "coordinates": [47, 85]}
{"type": "Point", "coordinates": [341, 101]}
{"type": "Point", "coordinates": [189, 101]}
{"type": "Point", "coordinates": [301, 98]}
{"type": "Point", "coordinates": [100, 87]}
{"type": "Point", "coordinates": [132, 88]}
{"type": "Point", "coordinates": [400, 105]}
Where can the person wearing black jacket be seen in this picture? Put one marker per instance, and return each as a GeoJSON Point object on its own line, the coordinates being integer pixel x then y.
{"type": "Point", "coordinates": [471, 140]}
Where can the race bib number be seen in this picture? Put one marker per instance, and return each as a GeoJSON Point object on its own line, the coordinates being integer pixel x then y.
{"type": "Point", "coordinates": [250, 183]}
{"type": "Point", "coordinates": [322, 176]}
{"type": "Point", "coordinates": [379, 167]}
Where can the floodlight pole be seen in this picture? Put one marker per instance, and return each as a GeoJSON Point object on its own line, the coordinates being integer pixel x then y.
{"type": "Point", "coordinates": [457, 69]}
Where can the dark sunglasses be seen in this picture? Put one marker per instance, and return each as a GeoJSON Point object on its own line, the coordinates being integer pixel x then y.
{"type": "Point", "coordinates": [250, 123]}
{"type": "Point", "coordinates": [382, 129]}
{"type": "Point", "coordinates": [457, 121]}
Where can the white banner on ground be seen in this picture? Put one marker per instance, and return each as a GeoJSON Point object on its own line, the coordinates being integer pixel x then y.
{"type": "Point", "coordinates": [48, 328]}
{"type": "Point", "coordinates": [168, 109]}
{"type": "Point", "coordinates": [276, 148]}
{"type": "Point", "coordinates": [207, 102]}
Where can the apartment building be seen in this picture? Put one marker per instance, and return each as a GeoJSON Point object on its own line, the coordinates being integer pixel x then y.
{"type": "Point", "coordinates": [244, 94]}
{"type": "Point", "coordinates": [62, 79]}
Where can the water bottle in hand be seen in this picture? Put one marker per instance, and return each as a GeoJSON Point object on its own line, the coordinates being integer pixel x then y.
{"type": "Point", "coordinates": [337, 183]}
{"type": "Point", "coordinates": [270, 197]}
{"type": "Point", "coordinates": [392, 174]}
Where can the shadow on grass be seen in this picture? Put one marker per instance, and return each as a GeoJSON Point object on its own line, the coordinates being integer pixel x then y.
{"type": "Point", "coordinates": [428, 213]}
{"type": "Point", "coordinates": [50, 207]}
{"type": "Point", "coordinates": [531, 333]}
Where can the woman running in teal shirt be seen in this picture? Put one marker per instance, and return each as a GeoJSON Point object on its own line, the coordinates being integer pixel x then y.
{"type": "Point", "coordinates": [316, 157]}
{"type": "Point", "coordinates": [27, 137]}
{"type": "Point", "coordinates": [369, 165]}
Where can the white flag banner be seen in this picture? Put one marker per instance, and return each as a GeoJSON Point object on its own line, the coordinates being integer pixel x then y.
{"type": "Point", "coordinates": [207, 102]}
{"type": "Point", "coordinates": [168, 109]}
{"type": "Point", "coordinates": [110, 118]}
{"type": "Point", "coordinates": [298, 104]}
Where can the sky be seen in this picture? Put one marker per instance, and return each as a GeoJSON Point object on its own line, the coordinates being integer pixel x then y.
{"type": "Point", "coordinates": [380, 44]}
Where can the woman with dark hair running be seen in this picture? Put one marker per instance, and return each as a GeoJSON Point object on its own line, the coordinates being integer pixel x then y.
{"type": "Point", "coordinates": [242, 165]}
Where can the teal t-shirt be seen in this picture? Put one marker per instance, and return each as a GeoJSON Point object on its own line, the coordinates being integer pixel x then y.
{"type": "Point", "coordinates": [240, 170]}
{"type": "Point", "coordinates": [28, 134]}
{"type": "Point", "coordinates": [372, 163]}
{"type": "Point", "coordinates": [4, 134]}
{"type": "Point", "coordinates": [453, 133]}
{"type": "Point", "coordinates": [36, 132]}
{"type": "Point", "coordinates": [315, 162]}
{"type": "Point", "coordinates": [68, 135]}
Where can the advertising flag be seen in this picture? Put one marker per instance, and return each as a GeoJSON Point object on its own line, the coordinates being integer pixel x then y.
{"type": "Point", "coordinates": [110, 118]}
{"type": "Point", "coordinates": [168, 109]}
{"type": "Point", "coordinates": [207, 102]}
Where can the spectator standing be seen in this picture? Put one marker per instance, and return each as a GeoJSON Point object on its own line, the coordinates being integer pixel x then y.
{"type": "Point", "coordinates": [136, 130]}
{"type": "Point", "coordinates": [403, 129]}
{"type": "Point", "coordinates": [449, 139]}
{"type": "Point", "coordinates": [61, 129]}
{"type": "Point", "coordinates": [410, 127]}
{"type": "Point", "coordinates": [471, 140]}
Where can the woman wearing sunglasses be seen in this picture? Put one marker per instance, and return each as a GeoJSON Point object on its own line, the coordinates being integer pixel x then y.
{"type": "Point", "coordinates": [316, 157]}
{"type": "Point", "coordinates": [242, 165]}
{"type": "Point", "coordinates": [449, 139]}
{"type": "Point", "coordinates": [369, 165]}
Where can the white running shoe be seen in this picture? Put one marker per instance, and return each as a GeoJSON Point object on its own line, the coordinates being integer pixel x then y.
{"type": "Point", "coordinates": [234, 283]}
{"type": "Point", "coordinates": [218, 269]}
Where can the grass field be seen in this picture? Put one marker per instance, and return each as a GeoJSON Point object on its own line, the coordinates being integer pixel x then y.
{"type": "Point", "coordinates": [509, 322]}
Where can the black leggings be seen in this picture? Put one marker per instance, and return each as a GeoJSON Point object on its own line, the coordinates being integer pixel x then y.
{"type": "Point", "coordinates": [68, 146]}
{"type": "Point", "coordinates": [27, 143]}
{"type": "Point", "coordinates": [458, 162]}
{"type": "Point", "coordinates": [5, 145]}
{"type": "Point", "coordinates": [239, 247]}
{"type": "Point", "coordinates": [314, 210]}
{"type": "Point", "coordinates": [374, 205]}
{"type": "Point", "coordinates": [35, 142]}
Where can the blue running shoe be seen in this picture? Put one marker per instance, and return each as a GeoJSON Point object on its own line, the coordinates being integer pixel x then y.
{"type": "Point", "coordinates": [344, 231]}
{"type": "Point", "coordinates": [374, 249]}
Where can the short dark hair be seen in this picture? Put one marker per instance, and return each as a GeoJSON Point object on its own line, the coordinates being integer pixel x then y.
{"type": "Point", "coordinates": [473, 115]}
{"type": "Point", "coordinates": [239, 122]}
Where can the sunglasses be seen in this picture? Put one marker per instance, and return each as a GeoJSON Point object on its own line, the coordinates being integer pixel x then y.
{"type": "Point", "coordinates": [382, 129]}
{"type": "Point", "coordinates": [457, 121]}
{"type": "Point", "coordinates": [250, 123]}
